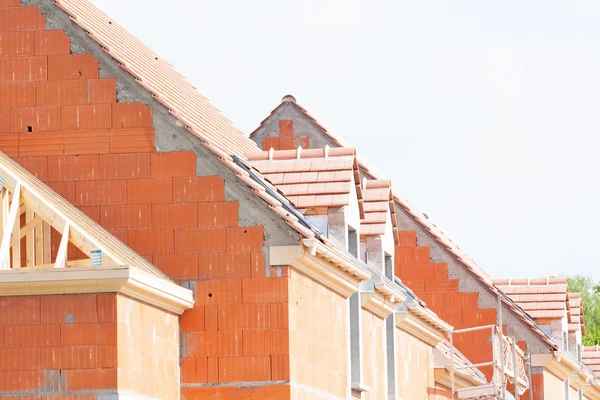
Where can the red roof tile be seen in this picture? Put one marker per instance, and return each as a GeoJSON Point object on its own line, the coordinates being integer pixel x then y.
{"type": "Point", "coordinates": [540, 298]}
{"type": "Point", "coordinates": [158, 76]}
{"type": "Point", "coordinates": [591, 357]}
{"type": "Point", "coordinates": [379, 207]}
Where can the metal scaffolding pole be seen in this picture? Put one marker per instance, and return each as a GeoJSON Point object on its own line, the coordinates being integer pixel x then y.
{"type": "Point", "coordinates": [515, 374]}
{"type": "Point", "coordinates": [501, 340]}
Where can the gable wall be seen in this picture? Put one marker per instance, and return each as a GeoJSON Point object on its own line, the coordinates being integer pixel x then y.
{"type": "Point", "coordinates": [184, 211]}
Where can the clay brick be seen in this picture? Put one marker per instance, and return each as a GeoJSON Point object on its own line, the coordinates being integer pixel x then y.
{"type": "Point", "coordinates": [213, 343]}
{"type": "Point", "coordinates": [107, 308]}
{"type": "Point", "coordinates": [200, 240]}
{"type": "Point", "coordinates": [271, 143]}
{"type": "Point", "coordinates": [244, 316]}
{"type": "Point", "coordinates": [149, 190]}
{"type": "Point", "coordinates": [48, 43]}
{"type": "Point", "coordinates": [263, 342]}
{"type": "Point", "coordinates": [415, 286]}
{"type": "Point", "coordinates": [15, 69]}
{"type": "Point", "coordinates": [404, 255]}
{"type": "Point", "coordinates": [193, 319]}
{"type": "Point", "coordinates": [9, 144]}
{"type": "Point", "coordinates": [20, 310]}
{"type": "Point", "coordinates": [219, 291]}
{"type": "Point", "coordinates": [265, 290]}
{"type": "Point", "coordinates": [16, 44]}
{"type": "Point", "coordinates": [245, 369]}
{"type": "Point", "coordinates": [479, 317]}
{"type": "Point", "coordinates": [107, 357]}
{"type": "Point", "coordinates": [74, 309]}
{"type": "Point", "coordinates": [19, 381]}
{"type": "Point", "coordinates": [194, 370]}
{"type": "Point", "coordinates": [224, 265]}
{"type": "Point", "coordinates": [453, 317]}
{"type": "Point", "coordinates": [35, 119]}
{"type": "Point", "coordinates": [440, 271]}
{"type": "Point", "coordinates": [151, 241]}
{"type": "Point", "coordinates": [10, 3]}
{"type": "Point", "coordinates": [65, 189]}
{"type": "Point", "coordinates": [72, 357]}
{"type": "Point", "coordinates": [178, 266]}
{"type": "Point", "coordinates": [211, 317]}
{"type": "Point", "coordinates": [198, 188]}
{"type": "Point", "coordinates": [38, 166]}
{"type": "Point", "coordinates": [105, 192]}
{"type": "Point", "coordinates": [280, 316]}
{"type": "Point", "coordinates": [257, 264]}
{"type": "Point", "coordinates": [131, 140]}
{"type": "Point", "coordinates": [94, 213]}
{"type": "Point", "coordinates": [450, 285]}
{"type": "Point", "coordinates": [85, 117]}
{"type": "Point", "coordinates": [422, 272]}
{"type": "Point", "coordinates": [4, 120]}
{"type": "Point", "coordinates": [73, 168]}
{"type": "Point", "coordinates": [32, 336]}
{"type": "Point", "coordinates": [461, 301]}
{"type": "Point", "coordinates": [287, 143]}
{"type": "Point", "coordinates": [223, 213]}
{"type": "Point", "coordinates": [213, 369]}
{"type": "Point", "coordinates": [61, 92]}
{"type": "Point", "coordinates": [286, 128]}
{"type": "Point", "coordinates": [422, 255]}
{"type": "Point", "coordinates": [174, 215]}
{"type": "Point", "coordinates": [86, 142]}
{"type": "Point", "coordinates": [17, 94]}
{"type": "Point", "coordinates": [22, 19]}
{"type": "Point", "coordinates": [280, 367]}
{"type": "Point", "coordinates": [271, 392]}
{"type": "Point", "coordinates": [19, 359]}
{"type": "Point", "coordinates": [126, 217]}
{"type": "Point", "coordinates": [131, 115]}
{"type": "Point", "coordinates": [72, 66]}
{"type": "Point", "coordinates": [302, 141]}
{"type": "Point", "coordinates": [408, 239]}
{"type": "Point", "coordinates": [41, 144]}
{"type": "Point", "coordinates": [119, 166]}
{"type": "Point", "coordinates": [102, 90]}
{"type": "Point", "coordinates": [78, 334]}
{"type": "Point", "coordinates": [90, 379]}
{"type": "Point", "coordinates": [244, 238]}
{"type": "Point", "coordinates": [176, 163]}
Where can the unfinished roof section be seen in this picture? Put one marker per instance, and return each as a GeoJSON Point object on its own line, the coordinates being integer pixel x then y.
{"type": "Point", "coordinates": [575, 308]}
{"type": "Point", "coordinates": [540, 298]}
{"type": "Point", "coordinates": [160, 78]}
{"type": "Point", "coordinates": [311, 179]}
{"type": "Point", "coordinates": [30, 209]}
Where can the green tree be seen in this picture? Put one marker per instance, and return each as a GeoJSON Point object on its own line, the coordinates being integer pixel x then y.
{"type": "Point", "coordinates": [590, 296]}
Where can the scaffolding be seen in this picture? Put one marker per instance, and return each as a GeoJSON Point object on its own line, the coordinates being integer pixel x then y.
{"type": "Point", "coordinates": [509, 364]}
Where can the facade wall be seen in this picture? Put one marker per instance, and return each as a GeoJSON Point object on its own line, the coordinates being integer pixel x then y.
{"type": "Point", "coordinates": [415, 367]}
{"type": "Point", "coordinates": [55, 345]}
{"type": "Point", "coordinates": [319, 347]}
{"type": "Point", "coordinates": [554, 387]}
{"type": "Point", "coordinates": [374, 357]}
{"type": "Point", "coordinates": [441, 393]}
{"type": "Point", "coordinates": [147, 350]}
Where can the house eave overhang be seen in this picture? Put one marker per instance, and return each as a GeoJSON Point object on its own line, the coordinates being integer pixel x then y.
{"type": "Point", "coordinates": [379, 297]}
{"type": "Point", "coordinates": [325, 264]}
{"type": "Point", "coordinates": [421, 323]}
{"type": "Point", "coordinates": [565, 367]}
{"type": "Point", "coordinates": [462, 379]}
{"type": "Point", "coordinates": [124, 280]}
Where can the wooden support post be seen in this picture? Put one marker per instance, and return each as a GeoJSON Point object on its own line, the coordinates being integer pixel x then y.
{"type": "Point", "coordinates": [61, 256]}
{"type": "Point", "coordinates": [47, 246]}
{"type": "Point", "coordinates": [9, 224]}
{"type": "Point", "coordinates": [15, 239]}
{"type": "Point", "coordinates": [29, 238]}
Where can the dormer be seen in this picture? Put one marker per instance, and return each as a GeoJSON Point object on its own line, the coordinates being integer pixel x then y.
{"type": "Point", "coordinates": [323, 184]}
{"type": "Point", "coordinates": [576, 329]}
{"type": "Point", "coordinates": [378, 227]}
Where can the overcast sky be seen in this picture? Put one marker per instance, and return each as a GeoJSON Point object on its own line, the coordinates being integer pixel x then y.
{"type": "Point", "coordinates": [484, 114]}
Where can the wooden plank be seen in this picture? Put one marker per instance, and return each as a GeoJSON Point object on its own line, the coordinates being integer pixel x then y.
{"type": "Point", "coordinates": [29, 237]}
{"type": "Point", "coordinates": [61, 256]}
{"type": "Point", "coordinates": [15, 241]}
{"type": "Point", "coordinates": [31, 226]}
{"type": "Point", "coordinates": [46, 247]}
{"type": "Point", "coordinates": [8, 228]}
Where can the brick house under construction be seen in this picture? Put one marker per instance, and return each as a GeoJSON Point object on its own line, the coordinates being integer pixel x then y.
{"type": "Point", "coordinates": [151, 250]}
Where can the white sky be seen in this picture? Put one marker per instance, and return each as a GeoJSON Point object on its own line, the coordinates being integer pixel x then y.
{"type": "Point", "coordinates": [484, 114]}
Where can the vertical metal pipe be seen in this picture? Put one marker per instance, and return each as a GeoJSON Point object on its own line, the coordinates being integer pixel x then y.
{"type": "Point", "coordinates": [452, 363]}
{"type": "Point", "coordinates": [528, 355]}
{"type": "Point", "coordinates": [501, 339]}
{"type": "Point", "coordinates": [515, 373]}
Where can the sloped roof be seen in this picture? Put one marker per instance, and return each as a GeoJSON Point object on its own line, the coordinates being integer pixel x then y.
{"type": "Point", "coordinates": [310, 178]}
{"type": "Point", "coordinates": [167, 85]}
{"type": "Point", "coordinates": [423, 219]}
{"type": "Point", "coordinates": [591, 357]}
{"type": "Point", "coordinates": [575, 307]}
{"type": "Point", "coordinates": [540, 298]}
{"type": "Point", "coordinates": [378, 204]}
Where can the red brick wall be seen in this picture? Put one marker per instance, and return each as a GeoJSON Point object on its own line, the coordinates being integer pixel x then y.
{"type": "Point", "coordinates": [61, 122]}
{"type": "Point", "coordinates": [58, 344]}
